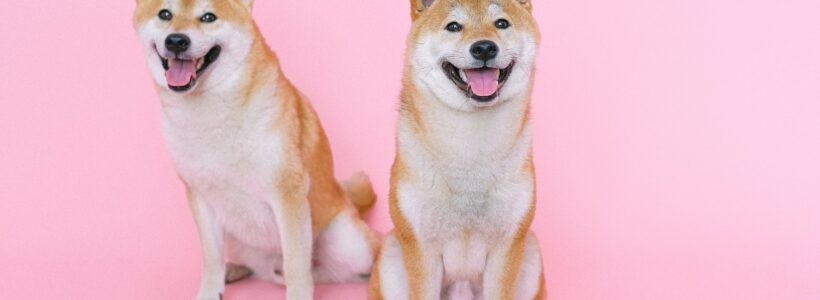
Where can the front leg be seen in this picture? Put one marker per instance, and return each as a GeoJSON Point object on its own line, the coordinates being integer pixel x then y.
{"type": "Point", "coordinates": [211, 236]}
{"type": "Point", "coordinates": [425, 272]}
{"type": "Point", "coordinates": [501, 271]}
{"type": "Point", "coordinates": [292, 211]}
{"type": "Point", "coordinates": [515, 271]}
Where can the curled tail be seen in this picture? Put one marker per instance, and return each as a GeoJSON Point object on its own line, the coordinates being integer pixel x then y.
{"type": "Point", "coordinates": [360, 192]}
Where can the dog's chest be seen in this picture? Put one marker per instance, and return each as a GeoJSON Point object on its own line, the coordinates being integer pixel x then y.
{"type": "Point", "coordinates": [212, 144]}
{"type": "Point", "coordinates": [442, 215]}
{"type": "Point", "coordinates": [466, 203]}
{"type": "Point", "coordinates": [465, 192]}
{"type": "Point", "coordinates": [217, 155]}
{"type": "Point", "coordinates": [230, 163]}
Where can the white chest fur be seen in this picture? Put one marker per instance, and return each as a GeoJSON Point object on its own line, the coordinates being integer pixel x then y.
{"type": "Point", "coordinates": [469, 187]}
{"type": "Point", "coordinates": [228, 153]}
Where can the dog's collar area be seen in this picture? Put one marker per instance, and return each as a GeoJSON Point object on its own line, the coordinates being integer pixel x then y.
{"type": "Point", "coordinates": [457, 76]}
{"type": "Point", "coordinates": [205, 62]}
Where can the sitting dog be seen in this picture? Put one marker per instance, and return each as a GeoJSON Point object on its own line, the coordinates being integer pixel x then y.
{"type": "Point", "coordinates": [462, 192]}
{"type": "Point", "coordinates": [251, 152]}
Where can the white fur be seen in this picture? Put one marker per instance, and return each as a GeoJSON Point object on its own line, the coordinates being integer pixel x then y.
{"type": "Point", "coordinates": [236, 44]}
{"type": "Point", "coordinates": [393, 277]}
{"type": "Point", "coordinates": [226, 148]}
{"type": "Point", "coordinates": [434, 48]}
{"type": "Point", "coordinates": [342, 251]}
{"type": "Point", "coordinates": [467, 192]}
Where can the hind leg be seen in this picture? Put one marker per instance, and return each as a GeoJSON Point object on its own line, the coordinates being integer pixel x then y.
{"type": "Point", "coordinates": [245, 261]}
{"type": "Point", "coordinates": [235, 272]}
{"type": "Point", "coordinates": [389, 280]}
{"type": "Point", "coordinates": [344, 251]}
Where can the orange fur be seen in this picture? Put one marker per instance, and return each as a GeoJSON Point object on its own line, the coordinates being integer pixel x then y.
{"type": "Point", "coordinates": [184, 16]}
{"type": "Point", "coordinates": [542, 289]}
{"type": "Point", "coordinates": [281, 123]}
{"type": "Point", "coordinates": [516, 252]}
{"type": "Point", "coordinates": [416, 110]}
{"type": "Point", "coordinates": [360, 192]}
{"type": "Point", "coordinates": [146, 9]}
{"type": "Point", "coordinates": [326, 197]}
{"type": "Point", "coordinates": [374, 291]}
{"type": "Point", "coordinates": [411, 249]}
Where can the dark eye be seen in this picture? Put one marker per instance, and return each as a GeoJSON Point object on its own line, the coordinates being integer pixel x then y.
{"type": "Point", "coordinates": [453, 27]}
{"type": "Point", "coordinates": [165, 15]}
{"type": "Point", "coordinates": [208, 18]}
{"type": "Point", "coordinates": [502, 24]}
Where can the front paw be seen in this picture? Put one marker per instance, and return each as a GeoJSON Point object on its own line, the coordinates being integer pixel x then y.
{"type": "Point", "coordinates": [211, 287]}
{"type": "Point", "coordinates": [299, 290]}
{"type": "Point", "coordinates": [299, 294]}
{"type": "Point", "coordinates": [208, 295]}
{"type": "Point", "coordinates": [216, 297]}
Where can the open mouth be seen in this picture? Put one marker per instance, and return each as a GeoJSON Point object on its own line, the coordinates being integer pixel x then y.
{"type": "Point", "coordinates": [181, 74]}
{"type": "Point", "coordinates": [481, 84]}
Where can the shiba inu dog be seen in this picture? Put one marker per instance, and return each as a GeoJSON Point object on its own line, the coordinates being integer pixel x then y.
{"type": "Point", "coordinates": [251, 152]}
{"type": "Point", "coordinates": [462, 192]}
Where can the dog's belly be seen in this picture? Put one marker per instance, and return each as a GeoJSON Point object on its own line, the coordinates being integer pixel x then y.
{"type": "Point", "coordinates": [251, 222]}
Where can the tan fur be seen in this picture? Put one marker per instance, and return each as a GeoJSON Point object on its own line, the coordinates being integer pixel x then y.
{"type": "Point", "coordinates": [406, 237]}
{"type": "Point", "coordinates": [146, 9]}
{"type": "Point", "coordinates": [374, 291]}
{"type": "Point", "coordinates": [542, 289]}
{"type": "Point", "coordinates": [298, 118]}
{"type": "Point", "coordinates": [360, 192]}
{"type": "Point", "coordinates": [411, 249]}
{"type": "Point", "coordinates": [417, 112]}
{"type": "Point", "coordinates": [326, 197]}
{"type": "Point", "coordinates": [516, 251]}
{"type": "Point", "coordinates": [300, 188]}
{"type": "Point", "coordinates": [184, 15]}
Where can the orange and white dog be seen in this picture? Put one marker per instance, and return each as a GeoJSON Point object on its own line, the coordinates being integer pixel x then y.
{"type": "Point", "coordinates": [462, 192]}
{"type": "Point", "coordinates": [251, 152]}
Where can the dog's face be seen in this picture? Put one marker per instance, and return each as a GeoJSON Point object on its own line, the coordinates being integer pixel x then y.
{"type": "Point", "coordinates": [187, 42]}
{"type": "Point", "coordinates": [472, 54]}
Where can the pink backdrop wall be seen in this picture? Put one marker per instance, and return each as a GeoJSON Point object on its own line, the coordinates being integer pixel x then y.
{"type": "Point", "coordinates": [677, 145]}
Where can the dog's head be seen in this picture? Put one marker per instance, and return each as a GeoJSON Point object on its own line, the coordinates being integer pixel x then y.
{"type": "Point", "coordinates": [472, 54]}
{"type": "Point", "coordinates": [187, 41]}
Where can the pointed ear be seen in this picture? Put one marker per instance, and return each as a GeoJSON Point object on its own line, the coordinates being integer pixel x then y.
{"type": "Point", "coordinates": [526, 3]}
{"type": "Point", "coordinates": [419, 6]}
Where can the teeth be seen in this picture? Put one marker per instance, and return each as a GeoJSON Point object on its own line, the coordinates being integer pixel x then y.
{"type": "Point", "coordinates": [463, 75]}
{"type": "Point", "coordinates": [199, 63]}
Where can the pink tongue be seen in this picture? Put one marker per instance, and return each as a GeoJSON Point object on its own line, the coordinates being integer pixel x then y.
{"type": "Point", "coordinates": [180, 72]}
{"type": "Point", "coordinates": [483, 82]}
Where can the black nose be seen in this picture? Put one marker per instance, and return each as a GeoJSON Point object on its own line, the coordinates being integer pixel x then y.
{"type": "Point", "coordinates": [177, 43]}
{"type": "Point", "coordinates": [484, 50]}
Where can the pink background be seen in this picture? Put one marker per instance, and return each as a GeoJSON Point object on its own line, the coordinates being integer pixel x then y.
{"type": "Point", "coordinates": [677, 145]}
